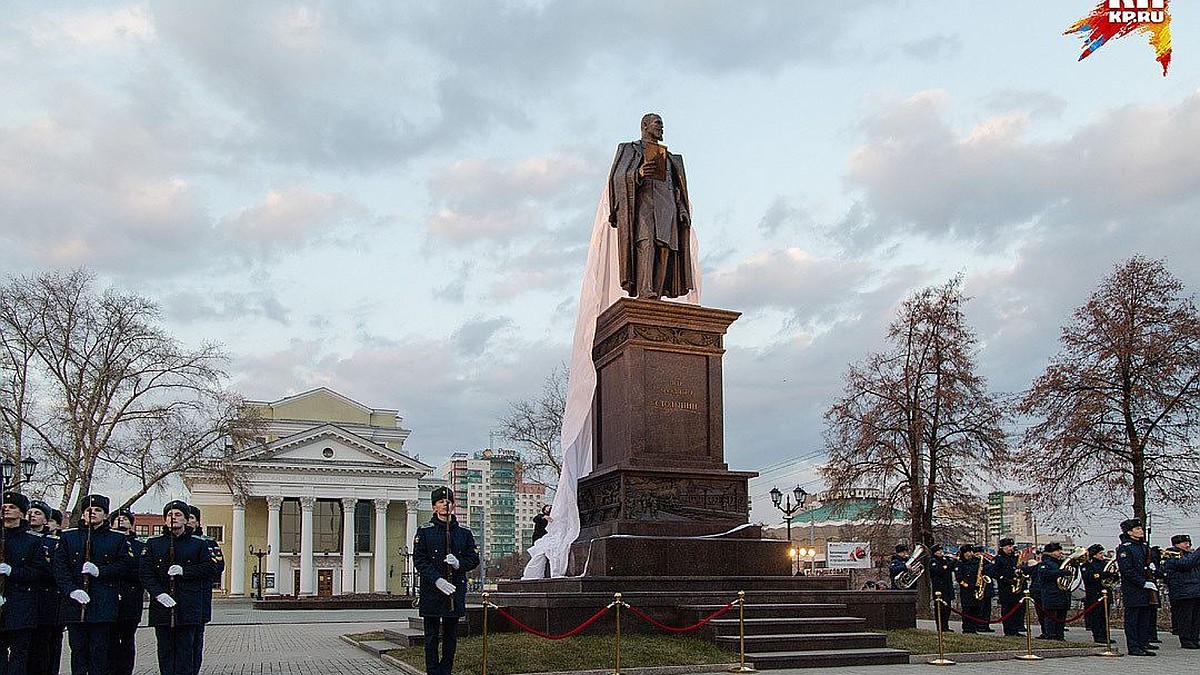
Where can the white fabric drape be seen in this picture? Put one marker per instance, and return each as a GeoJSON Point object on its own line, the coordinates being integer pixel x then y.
{"type": "Point", "coordinates": [600, 289]}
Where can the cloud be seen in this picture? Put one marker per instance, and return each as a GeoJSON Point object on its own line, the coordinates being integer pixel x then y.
{"type": "Point", "coordinates": [290, 218]}
{"type": "Point", "coordinates": [475, 336]}
{"type": "Point", "coordinates": [917, 174]}
{"type": "Point", "coordinates": [790, 279]}
{"type": "Point", "coordinates": [189, 307]}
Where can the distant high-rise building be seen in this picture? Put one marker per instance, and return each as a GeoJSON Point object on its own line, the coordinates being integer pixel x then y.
{"type": "Point", "coordinates": [494, 499]}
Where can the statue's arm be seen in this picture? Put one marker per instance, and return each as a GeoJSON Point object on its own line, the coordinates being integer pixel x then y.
{"type": "Point", "coordinates": [682, 203]}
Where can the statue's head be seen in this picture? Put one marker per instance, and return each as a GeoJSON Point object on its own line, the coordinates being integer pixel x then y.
{"type": "Point", "coordinates": [652, 126]}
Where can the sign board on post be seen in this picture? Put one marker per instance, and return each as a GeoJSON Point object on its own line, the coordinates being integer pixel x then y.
{"type": "Point", "coordinates": [848, 555]}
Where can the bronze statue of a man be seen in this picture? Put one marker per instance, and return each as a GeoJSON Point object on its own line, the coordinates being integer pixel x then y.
{"type": "Point", "coordinates": [648, 204]}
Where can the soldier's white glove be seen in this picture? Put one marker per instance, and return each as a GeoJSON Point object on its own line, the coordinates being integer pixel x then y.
{"type": "Point", "coordinates": [174, 571]}
{"type": "Point", "coordinates": [1150, 586]}
{"type": "Point", "coordinates": [452, 561]}
{"type": "Point", "coordinates": [2, 601]}
{"type": "Point", "coordinates": [165, 600]}
{"type": "Point", "coordinates": [81, 596]}
{"type": "Point", "coordinates": [445, 586]}
{"type": "Point", "coordinates": [5, 569]}
{"type": "Point", "coordinates": [89, 567]}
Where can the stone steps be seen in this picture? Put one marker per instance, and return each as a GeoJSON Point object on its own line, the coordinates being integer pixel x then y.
{"type": "Point", "coordinates": [804, 641]}
{"type": "Point", "coordinates": [822, 658]}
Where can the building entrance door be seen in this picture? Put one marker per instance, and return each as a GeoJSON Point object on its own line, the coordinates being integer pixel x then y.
{"type": "Point", "coordinates": [324, 583]}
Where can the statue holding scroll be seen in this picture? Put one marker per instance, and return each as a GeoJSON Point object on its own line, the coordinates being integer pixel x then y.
{"type": "Point", "coordinates": [648, 204]}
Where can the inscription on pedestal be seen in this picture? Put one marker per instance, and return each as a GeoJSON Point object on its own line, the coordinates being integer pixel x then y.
{"type": "Point", "coordinates": [655, 498]}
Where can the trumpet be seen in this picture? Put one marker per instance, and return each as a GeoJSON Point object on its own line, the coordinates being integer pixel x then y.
{"type": "Point", "coordinates": [1169, 553]}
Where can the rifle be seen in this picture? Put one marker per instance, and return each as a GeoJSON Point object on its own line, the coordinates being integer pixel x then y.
{"type": "Point", "coordinates": [171, 562]}
{"type": "Point", "coordinates": [449, 570]}
{"type": "Point", "coordinates": [87, 556]}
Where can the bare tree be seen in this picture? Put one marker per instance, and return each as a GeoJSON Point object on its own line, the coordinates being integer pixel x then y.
{"type": "Point", "coordinates": [91, 382]}
{"type": "Point", "coordinates": [1118, 406]}
{"type": "Point", "coordinates": [535, 425]}
{"type": "Point", "coordinates": [916, 420]}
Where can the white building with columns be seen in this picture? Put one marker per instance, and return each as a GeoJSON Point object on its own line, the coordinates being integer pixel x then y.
{"type": "Point", "coordinates": [327, 495]}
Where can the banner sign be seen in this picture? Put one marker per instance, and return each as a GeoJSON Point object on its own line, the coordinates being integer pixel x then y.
{"type": "Point", "coordinates": [848, 554]}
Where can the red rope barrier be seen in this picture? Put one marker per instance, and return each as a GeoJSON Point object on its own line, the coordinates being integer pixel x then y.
{"type": "Point", "coordinates": [571, 633]}
{"type": "Point", "coordinates": [1094, 605]}
{"type": "Point", "coordinates": [702, 622]}
{"type": "Point", "coordinates": [984, 621]}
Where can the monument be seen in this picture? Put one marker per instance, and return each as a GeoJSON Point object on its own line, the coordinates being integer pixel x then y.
{"type": "Point", "coordinates": [662, 519]}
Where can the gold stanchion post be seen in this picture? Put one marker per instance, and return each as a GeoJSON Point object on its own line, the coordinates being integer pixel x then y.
{"type": "Point", "coordinates": [1108, 641]}
{"type": "Point", "coordinates": [742, 667]}
{"type": "Point", "coordinates": [1028, 655]}
{"type": "Point", "coordinates": [485, 635]}
{"type": "Point", "coordinates": [617, 659]}
{"type": "Point", "coordinates": [941, 660]}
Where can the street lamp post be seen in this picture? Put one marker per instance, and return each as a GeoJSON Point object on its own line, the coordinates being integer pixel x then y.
{"type": "Point", "coordinates": [258, 566]}
{"type": "Point", "coordinates": [789, 509]}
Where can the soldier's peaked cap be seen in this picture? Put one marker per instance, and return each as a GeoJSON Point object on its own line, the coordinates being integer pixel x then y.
{"type": "Point", "coordinates": [175, 505]}
{"type": "Point", "coordinates": [99, 501]}
{"type": "Point", "coordinates": [18, 500]}
{"type": "Point", "coordinates": [440, 493]}
{"type": "Point", "coordinates": [1180, 538]}
{"type": "Point", "coordinates": [1128, 525]}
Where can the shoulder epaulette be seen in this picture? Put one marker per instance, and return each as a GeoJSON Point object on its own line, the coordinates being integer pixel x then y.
{"type": "Point", "coordinates": [36, 534]}
{"type": "Point", "coordinates": [69, 529]}
{"type": "Point", "coordinates": [425, 526]}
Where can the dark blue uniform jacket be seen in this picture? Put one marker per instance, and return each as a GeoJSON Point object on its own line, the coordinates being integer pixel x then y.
{"type": "Point", "coordinates": [26, 554]}
{"type": "Point", "coordinates": [897, 565]}
{"type": "Point", "coordinates": [129, 586]}
{"type": "Point", "coordinates": [429, 552]}
{"type": "Point", "coordinates": [49, 597]}
{"type": "Point", "coordinates": [941, 576]}
{"type": "Point", "coordinates": [1049, 572]}
{"type": "Point", "coordinates": [1183, 576]}
{"type": "Point", "coordinates": [1132, 558]}
{"type": "Point", "coordinates": [190, 589]}
{"type": "Point", "coordinates": [110, 552]}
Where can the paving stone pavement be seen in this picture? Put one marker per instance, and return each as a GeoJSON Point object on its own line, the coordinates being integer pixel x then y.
{"type": "Point", "coordinates": [243, 641]}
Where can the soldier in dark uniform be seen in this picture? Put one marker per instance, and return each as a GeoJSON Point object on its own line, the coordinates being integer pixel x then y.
{"type": "Point", "coordinates": [1138, 592]}
{"type": "Point", "coordinates": [177, 571]}
{"type": "Point", "coordinates": [967, 572]}
{"type": "Point", "coordinates": [898, 563]}
{"type": "Point", "coordinates": [214, 550]}
{"type": "Point", "coordinates": [1093, 590]}
{"type": "Point", "coordinates": [989, 588]}
{"type": "Point", "coordinates": [45, 653]}
{"type": "Point", "coordinates": [123, 652]}
{"type": "Point", "coordinates": [443, 553]}
{"type": "Point", "coordinates": [1182, 568]}
{"type": "Point", "coordinates": [87, 564]}
{"type": "Point", "coordinates": [23, 569]}
{"type": "Point", "coordinates": [1055, 601]}
{"type": "Point", "coordinates": [941, 578]}
{"type": "Point", "coordinates": [1009, 585]}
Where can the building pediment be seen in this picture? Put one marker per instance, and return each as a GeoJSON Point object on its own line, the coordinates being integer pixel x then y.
{"type": "Point", "coordinates": [327, 447]}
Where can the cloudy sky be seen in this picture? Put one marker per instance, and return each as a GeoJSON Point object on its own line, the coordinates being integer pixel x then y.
{"type": "Point", "coordinates": [394, 199]}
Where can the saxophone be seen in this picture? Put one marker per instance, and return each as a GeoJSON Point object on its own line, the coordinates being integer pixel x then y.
{"type": "Point", "coordinates": [982, 581]}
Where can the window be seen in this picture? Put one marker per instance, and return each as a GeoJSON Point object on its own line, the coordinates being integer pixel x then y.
{"type": "Point", "coordinates": [289, 526]}
{"type": "Point", "coordinates": [362, 526]}
{"type": "Point", "coordinates": [216, 532]}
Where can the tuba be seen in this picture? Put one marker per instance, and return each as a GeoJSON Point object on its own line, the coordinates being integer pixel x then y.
{"type": "Point", "coordinates": [1074, 564]}
{"type": "Point", "coordinates": [1110, 576]}
{"type": "Point", "coordinates": [915, 567]}
{"type": "Point", "coordinates": [1021, 573]}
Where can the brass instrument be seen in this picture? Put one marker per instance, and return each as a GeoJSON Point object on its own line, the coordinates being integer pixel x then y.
{"type": "Point", "coordinates": [1170, 553]}
{"type": "Point", "coordinates": [982, 581]}
{"type": "Point", "coordinates": [1074, 564]}
{"type": "Point", "coordinates": [1110, 576]}
{"type": "Point", "coordinates": [914, 568]}
{"type": "Point", "coordinates": [1021, 573]}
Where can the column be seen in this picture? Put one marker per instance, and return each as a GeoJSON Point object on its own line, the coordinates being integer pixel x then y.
{"type": "Point", "coordinates": [274, 504]}
{"type": "Point", "coordinates": [380, 584]}
{"type": "Point", "coordinates": [308, 584]}
{"type": "Point", "coordinates": [410, 510]}
{"type": "Point", "coordinates": [348, 557]}
{"type": "Point", "coordinates": [237, 554]}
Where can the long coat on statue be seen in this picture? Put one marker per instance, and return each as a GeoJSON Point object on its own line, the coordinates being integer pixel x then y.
{"type": "Point", "coordinates": [626, 190]}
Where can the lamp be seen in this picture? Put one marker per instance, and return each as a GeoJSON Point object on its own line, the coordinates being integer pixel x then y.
{"type": "Point", "coordinates": [789, 509]}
